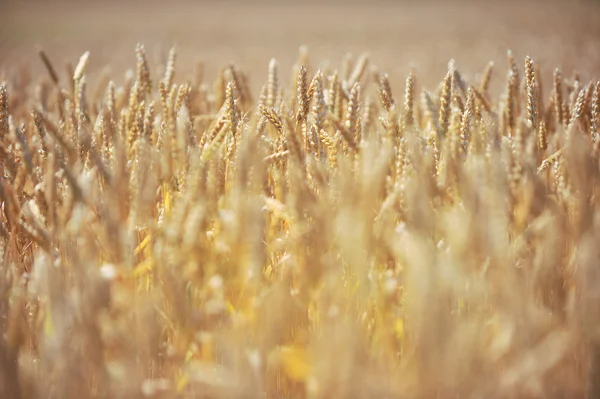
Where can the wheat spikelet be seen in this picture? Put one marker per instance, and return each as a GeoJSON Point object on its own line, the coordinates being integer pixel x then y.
{"type": "Point", "coordinates": [262, 121]}
{"type": "Point", "coordinates": [486, 78]}
{"type": "Point", "coordinates": [345, 132]}
{"type": "Point", "coordinates": [408, 100]}
{"type": "Point", "coordinates": [433, 146]}
{"type": "Point", "coordinates": [183, 97]}
{"type": "Point", "coordinates": [334, 95]}
{"type": "Point", "coordinates": [558, 96]}
{"type": "Point", "coordinates": [80, 68]}
{"type": "Point", "coordinates": [532, 102]}
{"type": "Point", "coordinates": [122, 126]}
{"type": "Point", "coordinates": [105, 137]}
{"type": "Point", "coordinates": [457, 80]}
{"type": "Point", "coordinates": [170, 68]}
{"type": "Point", "coordinates": [466, 118]}
{"type": "Point", "coordinates": [512, 63]}
{"type": "Point", "coordinates": [173, 101]}
{"type": "Point", "coordinates": [369, 116]}
{"type": "Point", "coordinates": [164, 96]}
{"type": "Point", "coordinates": [57, 134]}
{"type": "Point", "coordinates": [543, 136]}
{"type": "Point", "coordinates": [81, 106]}
{"type": "Point", "coordinates": [551, 160]}
{"type": "Point", "coordinates": [41, 131]}
{"type": "Point", "coordinates": [327, 140]}
{"type": "Point", "coordinates": [234, 75]}
{"type": "Point", "coordinates": [482, 100]}
{"type": "Point", "coordinates": [319, 112]}
{"type": "Point", "coordinates": [143, 72]}
{"type": "Point", "coordinates": [216, 127]}
{"type": "Point", "coordinates": [429, 110]}
{"type": "Point", "coordinates": [359, 71]}
{"type": "Point", "coordinates": [457, 102]}
{"type": "Point", "coordinates": [24, 148]}
{"type": "Point", "coordinates": [275, 157]}
{"type": "Point", "coordinates": [230, 109]}
{"type": "Point", "coordinates": [110, 100]}
{"type": "Point", "coordinates": [149, 122]}
{"type": "Point", "coordinates": [272, 84]}
{"type": "Point", "coordinates": [291, 142]}
{"type": "Point", "coordinates": [540, 91]}
{"type": "Point", "coordinates": [352, 111]}
{"type": "Point", "coordinates": [444, 113]}
{"type": "Point", "coordinates": [571, 101]}
{"type": "Point", "coordinates": [578, 107]}
{"type": "Point", "coordinates": [313, 82]}
{"type": "Point", "coordinates": [272, 117]}
{"type": "Point", "coordinates": [595, 112]}
{"type": "Point", "coordinates": [587, 109]}
{"type": "Point", "coordinates": [48, 65]}
{"type": "Point", "coordinates": [481, 136]}
{"type": "Point", "coordinates": [211, 148]}
{"type": "Point", "coordinates": [3, 110]}
{"type": "Point", "coordinates": [220, 88]}
{"type": "Point", "coordinates": [385, 92]}
{"type": "Point", "coordinates": [454, 146]}
{"type": "Point", "coordinates": [302, 95]}
{"type": "Point", "coordinates": [511, 100]}
{"type": "Point", "coordinates": [513, 67]}
{"type": "Point", "coordinates": [132, 108]}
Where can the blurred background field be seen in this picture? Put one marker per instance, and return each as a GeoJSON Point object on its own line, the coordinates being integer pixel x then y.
{"type": "Point", "coordinates": [398, 35]}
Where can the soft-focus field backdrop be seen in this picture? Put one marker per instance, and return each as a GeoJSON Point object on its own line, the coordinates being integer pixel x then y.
{"type": "Point", "coordinates": [397, 35]}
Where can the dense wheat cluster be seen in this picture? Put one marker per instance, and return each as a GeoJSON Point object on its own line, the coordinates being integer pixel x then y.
{"type": "Point", "coordinates": [166, 236]}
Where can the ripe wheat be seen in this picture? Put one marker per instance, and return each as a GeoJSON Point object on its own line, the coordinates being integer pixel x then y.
{"type": "Point", "coordinates": [162, 239]}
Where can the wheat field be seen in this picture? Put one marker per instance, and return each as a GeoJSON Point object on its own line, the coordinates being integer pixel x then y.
{"type": "Point", "coordinates": [178, 226]}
